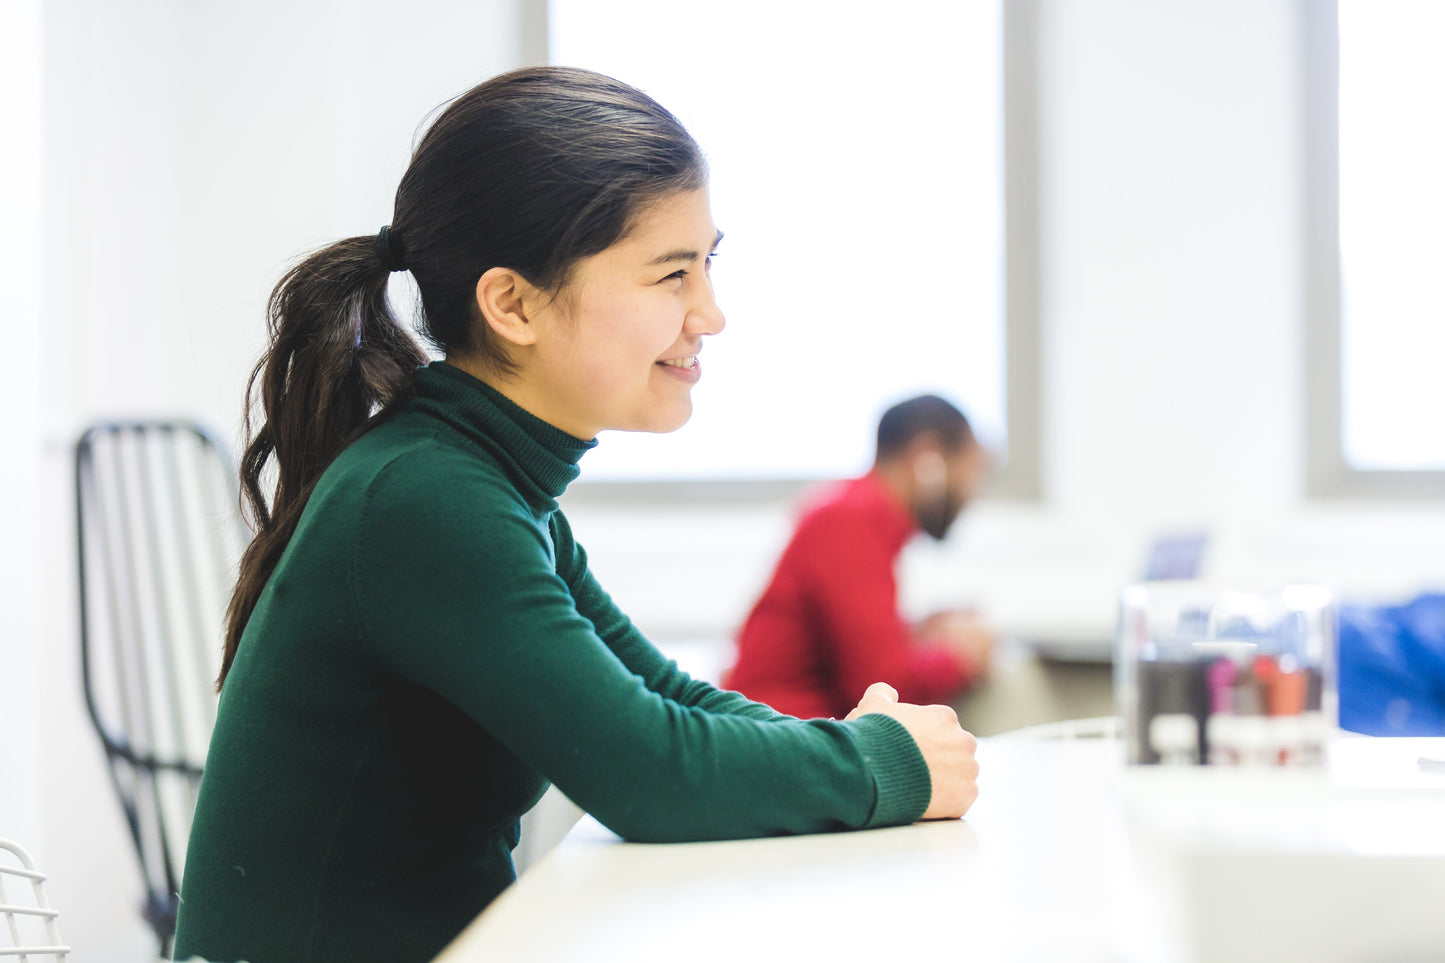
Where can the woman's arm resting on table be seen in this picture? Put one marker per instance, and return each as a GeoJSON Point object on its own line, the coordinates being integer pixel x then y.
{"type": "Point", "coordinates": [458, 591]}
{"type": "Point", "coordinates": [659, 673]}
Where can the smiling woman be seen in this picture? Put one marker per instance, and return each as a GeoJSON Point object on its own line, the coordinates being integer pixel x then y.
{"type": "Point", "coordinates": [416, 646]}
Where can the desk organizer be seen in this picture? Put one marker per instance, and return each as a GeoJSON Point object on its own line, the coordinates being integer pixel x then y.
{"type": "Point", "coordinates": [1206, 675]}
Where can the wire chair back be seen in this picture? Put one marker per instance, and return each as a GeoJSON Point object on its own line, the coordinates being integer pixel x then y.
{"type": "Point", "coordinates": [30, 923]}
{"type": "Point", "coordinates": [159, 533]}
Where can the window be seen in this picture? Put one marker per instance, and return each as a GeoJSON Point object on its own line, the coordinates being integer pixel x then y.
{"type": "Point", "coordinates": [858, 175]}
{"type": "Point", "coordinates": [1377, 199]}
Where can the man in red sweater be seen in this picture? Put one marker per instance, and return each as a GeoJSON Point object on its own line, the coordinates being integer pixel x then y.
{"type": "Point", "coordinates": [828, 626]}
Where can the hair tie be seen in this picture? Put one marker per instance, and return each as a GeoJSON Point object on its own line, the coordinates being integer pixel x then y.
{"type": "Point", "coordinates": [392, 256]}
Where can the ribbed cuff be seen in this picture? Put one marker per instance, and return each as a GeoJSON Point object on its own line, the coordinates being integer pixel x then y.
{"type": "Point", "coordinates": [900, 776]}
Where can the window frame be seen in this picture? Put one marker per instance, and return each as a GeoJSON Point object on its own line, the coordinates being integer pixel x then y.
{"type": "Point", "coordinates": [1019, 479]}
{"type": "Point", "coordinates": [1329, 475]}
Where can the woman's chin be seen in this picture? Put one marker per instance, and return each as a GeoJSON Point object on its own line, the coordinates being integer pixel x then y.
{"type": "Point", "coordinates": [665, 422]}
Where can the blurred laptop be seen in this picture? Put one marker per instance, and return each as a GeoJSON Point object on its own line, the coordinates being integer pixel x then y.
{"type": "Point", "coordinates": [1174, 557]}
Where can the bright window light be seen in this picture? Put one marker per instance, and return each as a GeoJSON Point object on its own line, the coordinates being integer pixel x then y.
{"type": "Point", "coordinates": [856, 171]}
{"type": "Point", "coordinates": [1392, 248]}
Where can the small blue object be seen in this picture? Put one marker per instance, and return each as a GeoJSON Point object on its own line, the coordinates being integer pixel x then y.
{"type": "Point", "coordinates": [1392, 668]}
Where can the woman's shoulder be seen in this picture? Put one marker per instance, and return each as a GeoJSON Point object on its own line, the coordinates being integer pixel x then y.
{"type": "Point", "coordinates": [394, 467]}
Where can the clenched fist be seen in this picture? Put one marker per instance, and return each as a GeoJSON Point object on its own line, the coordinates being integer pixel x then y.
{"type": "Point", "coordinates": [947, 748]}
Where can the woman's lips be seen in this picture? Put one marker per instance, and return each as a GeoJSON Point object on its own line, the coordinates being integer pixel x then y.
{"type": "Point", "coordinates": [684, 369]}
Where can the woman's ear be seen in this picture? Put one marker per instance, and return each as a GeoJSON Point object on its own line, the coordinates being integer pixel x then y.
{"type": "Point", "coordinates": [503, 296]}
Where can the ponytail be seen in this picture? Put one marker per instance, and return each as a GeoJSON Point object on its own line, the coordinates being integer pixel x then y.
{"type": "Point", "coordinates": [337, 361]}
{"type": "Point", "coordinates": [533, 170]}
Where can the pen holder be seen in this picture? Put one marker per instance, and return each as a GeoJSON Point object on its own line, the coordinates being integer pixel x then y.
{"type": "Point", "coordinates": [1215, 676]}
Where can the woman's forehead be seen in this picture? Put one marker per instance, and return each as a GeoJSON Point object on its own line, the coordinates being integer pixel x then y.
{"type": "Point", "coordinates": [684, 217]}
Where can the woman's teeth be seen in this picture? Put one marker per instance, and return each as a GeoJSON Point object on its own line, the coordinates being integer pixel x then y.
{"type": "Point", "coordinates": [681, 362]}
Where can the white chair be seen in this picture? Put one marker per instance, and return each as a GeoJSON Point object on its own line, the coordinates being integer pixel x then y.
{"type": "Point", "coordinates": [26, 918]}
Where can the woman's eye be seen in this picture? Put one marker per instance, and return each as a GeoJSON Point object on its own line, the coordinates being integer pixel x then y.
{"type": "Point", "coordinates": [681, 273]}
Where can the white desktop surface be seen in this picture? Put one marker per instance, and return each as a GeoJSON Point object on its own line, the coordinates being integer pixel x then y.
{"type": "Point", "coordinates": [1045, 867]}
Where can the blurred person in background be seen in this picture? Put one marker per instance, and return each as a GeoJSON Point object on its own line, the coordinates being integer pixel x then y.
{"type": "Point", "coordinates": [828, 619]}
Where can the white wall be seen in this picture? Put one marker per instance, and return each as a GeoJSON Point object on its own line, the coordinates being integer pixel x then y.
{"type": "Point", "coordinates": [1173, 297]}
{"type": "Point", "coordinates": [192, 151]}
{"type": "Point", "coordinates": [22, 657]}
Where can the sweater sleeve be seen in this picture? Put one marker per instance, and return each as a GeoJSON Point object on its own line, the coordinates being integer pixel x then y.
{"type": "Point", "coordinates": [853, 594]}
{"type": "Point", "coordinates": [617, 632]}
{"type": "Point", "coordinates": [456, 589]}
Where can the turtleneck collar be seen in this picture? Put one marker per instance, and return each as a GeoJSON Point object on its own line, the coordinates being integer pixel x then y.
{"type": "Point", "coordinates": [540, 458]}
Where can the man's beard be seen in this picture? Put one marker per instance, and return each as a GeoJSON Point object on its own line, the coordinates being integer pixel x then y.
{"type": "Point", "coordinates": [936, 515]}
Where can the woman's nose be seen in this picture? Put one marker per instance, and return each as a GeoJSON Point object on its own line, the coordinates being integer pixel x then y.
{"type": "Point", "coordinates": [705, 317]}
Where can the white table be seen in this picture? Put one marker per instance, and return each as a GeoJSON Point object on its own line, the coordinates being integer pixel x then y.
{"type": "Point", "coordinates": [1049, 865]}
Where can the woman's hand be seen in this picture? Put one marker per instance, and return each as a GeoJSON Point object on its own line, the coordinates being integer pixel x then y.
{"type": "Point", "coordinates": [946, 747]}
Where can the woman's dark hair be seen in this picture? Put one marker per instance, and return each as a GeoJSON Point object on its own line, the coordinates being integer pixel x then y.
{"type": "Point", "coordinates": [533, 170]}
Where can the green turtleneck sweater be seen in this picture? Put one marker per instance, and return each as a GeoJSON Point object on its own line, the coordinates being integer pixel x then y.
{"type": "Point", "coordinates": [430, 651]}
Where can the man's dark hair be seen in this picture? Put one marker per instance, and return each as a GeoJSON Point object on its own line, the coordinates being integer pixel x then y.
{"type": "Point", "coordinates": [907, 420]}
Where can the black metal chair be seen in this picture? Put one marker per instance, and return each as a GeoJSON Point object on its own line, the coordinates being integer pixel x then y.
{"type": "Point", "coordinates": [159, 532]}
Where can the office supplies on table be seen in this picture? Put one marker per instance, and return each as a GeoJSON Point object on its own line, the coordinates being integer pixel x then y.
{"type": "Point", "coordinates": [1214, 676]}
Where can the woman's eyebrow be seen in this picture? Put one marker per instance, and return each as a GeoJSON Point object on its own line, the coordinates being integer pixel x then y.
{"type": "Point", "coordinates": [684, 255]}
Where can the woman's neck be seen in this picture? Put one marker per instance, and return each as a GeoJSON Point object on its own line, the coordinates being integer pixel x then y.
{"type": "Point", "coordinates": [509, 385]}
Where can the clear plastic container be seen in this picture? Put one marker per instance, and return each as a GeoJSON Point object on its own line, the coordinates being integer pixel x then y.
{"type": "Point", "coordinates": [1206, 675]}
